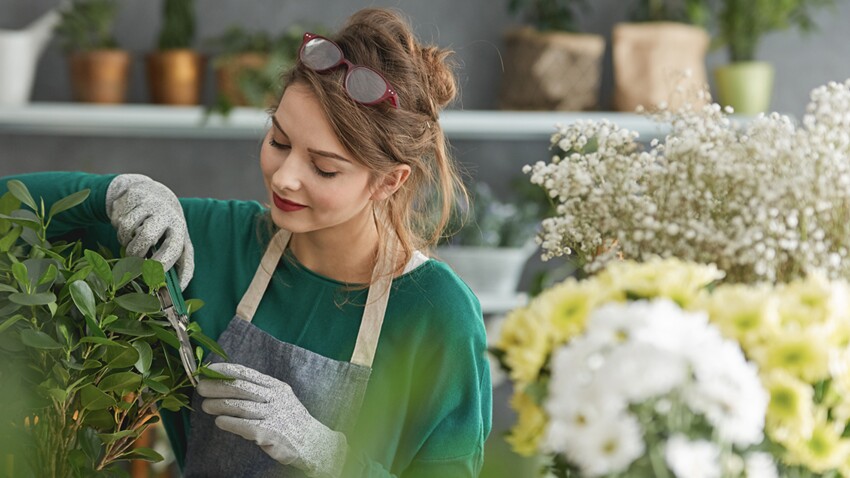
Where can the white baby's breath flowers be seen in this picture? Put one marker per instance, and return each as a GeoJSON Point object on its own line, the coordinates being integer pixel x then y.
{"type": "Point", "coordinates": [767, 201]}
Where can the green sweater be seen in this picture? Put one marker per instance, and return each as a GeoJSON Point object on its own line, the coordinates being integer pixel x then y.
{"type": "Point", "coordinates": [427, 409]}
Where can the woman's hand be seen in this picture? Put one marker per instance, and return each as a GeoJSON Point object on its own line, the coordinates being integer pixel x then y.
{"type": "Point", "coordinates": [264, 410]}
{"type": "Point", "coordinates": [146, 213]}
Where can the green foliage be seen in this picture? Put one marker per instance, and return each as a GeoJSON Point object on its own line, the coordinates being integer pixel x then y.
{"type": "Point", "coordinates": [86, 355]}
{"type": "Point", "coordinates": [486, 221]}
{"type": "Point", "coordinates": [257, 85]}
{"type": "Point", "coordinates": [548, 14]}
{"type": "Point", "coordinates": [178, 24]}
{"type": "Point", "coordinates": [696, 12]}
{"type": "Point", "coordinates": [87, 25]}
{"type": "Point", "coordinates": [742, 23]}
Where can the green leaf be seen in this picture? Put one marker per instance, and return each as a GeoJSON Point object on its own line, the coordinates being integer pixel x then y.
{"type": "Point", "coordinates": [8, 322]}
{"type": "Point", "coordinates": [49, 276]}
{"type": "Point", "coordinates": [157, 387]}
{"type": "Point", "coordinates": [92, 398]}
{"type": "Point", "coordinates": [210, 373]}
{"type": "Point", "coordinates": [39, 340]}
{"type": "Point", "coordinates": [99, 266]}
{"type": "Point", "coordinates": [144, 454]}
{"type": "Point", "coordinates": [111, 437]}
{"type": "Point", "coordinates": [143, 365]}
{"type": "Point", "coordinates": [90, 444]}
{"type": "Point", "coordinates": [122, 357]}
{"type": "Point", "coordinates": [138, 302]}
{"type": "Point", "coordinates": [9, 239]}
{"type": "Point", "coordinates": [99, 341]}
{"type": "Point", "coordinates": [100, 420]}
{"type": "Point", "coordinates": [29, 221]}
{"type": "Point", "coordinates": [42, 298]}
{"type": "Point", "coordinates": [108, 320]}
{"type": "Point", "coordinates": [20, 191]}
{"type": "Point", "coordinates": [127, 269]}
{"type": "Point", "coordinates": [165, 335]}
{"type": "Point", "coordinates": [68, 202]}
{"type": "Point", "coordinates": [9, 203]}
{"type": "Point", "coordinates": [19, 270]}
{"type": "Point", "coordinates": [209, 344]}
{"type": "Point", "coordinates": [83, 298]}
{"type": "Point", "coordinates": [80, 274]}
{"type": "Point", "coordinates": [132, 327]}
{"type": "Point", "coordinates": [193, 305]}
{"type": "Point", "coordinates": [153, 274]}
{"type": "Point", "coordinates": [57, 394]}
{"type": "Point", "coordinates": [91, 364]}
{"type": "Point", "coordinates": [172, 403]}
{"type": "Point", "coordinates": [8, 288]}
{"type": "Point", "coordinates": [120, 383]}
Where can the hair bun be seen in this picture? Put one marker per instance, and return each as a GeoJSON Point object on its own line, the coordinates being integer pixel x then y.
{"type": "Point", "coordinates": [438, 69]}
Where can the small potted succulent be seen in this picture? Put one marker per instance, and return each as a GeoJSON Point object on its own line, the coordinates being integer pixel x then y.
{"type": "Point", "coordinates": [491, 241]}
{"type": "Point", "coordinates": [176, 71]}
{"type": "Point", "coordinates": [86, 355]}
{"type": "Point", "coordinates": [549, 65]}
{"type": "Point", "coordinates": [99, 68]}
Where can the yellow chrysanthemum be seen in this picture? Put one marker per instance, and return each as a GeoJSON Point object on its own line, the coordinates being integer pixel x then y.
{"type": "Point", "coordinates": [801, 353]}
{"type": "Point", "coordinates": [813, 300]}
{"type": "Point", "coordinates": [526, 339]}
{"type": "Point", "coordinates": [822, 450]}
{"type": "Point", "coordinates": [566, 307]}
{"type": "Point", "coordinates": [682, 282]}
{"type": "Point", "coordinates": [790, 409]}
{"type": "Point", "coordinates": [531, 422]}
{"type": "Point", "coordinates": [746, 314]}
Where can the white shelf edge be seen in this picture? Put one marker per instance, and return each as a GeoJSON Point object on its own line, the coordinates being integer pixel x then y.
{"type": "Point", "coordinates": [145, 120]}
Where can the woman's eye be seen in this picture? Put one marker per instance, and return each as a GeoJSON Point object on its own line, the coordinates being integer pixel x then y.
{"type": "Point", "coordinates": [277, 145]}
{"type": "Point", "coordinates": [324, 174]}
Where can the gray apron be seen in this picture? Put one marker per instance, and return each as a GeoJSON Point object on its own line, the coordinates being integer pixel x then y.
{"type": "Point", "coordinates": [332, 391]}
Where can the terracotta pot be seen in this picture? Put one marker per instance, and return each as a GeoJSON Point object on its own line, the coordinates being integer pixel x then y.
{"type": "Point", "coordinates": [745, 86]}
{"type": "Point", "coordinates": [176, 77]}
{"type": "Point", "coordinates": [551, 70]}
{"type": "Point", "coordinates": [228, 71]}
{"type": "Point", "coordinates": [659, 62]}
{"type": "Point", "coordinates": [99, 76]}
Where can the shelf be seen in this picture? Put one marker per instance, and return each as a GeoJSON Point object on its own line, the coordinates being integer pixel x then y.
{"type": "Point", "coordinates": [145, 120]}
{"type": "Point", "coordinates": [494, 304]}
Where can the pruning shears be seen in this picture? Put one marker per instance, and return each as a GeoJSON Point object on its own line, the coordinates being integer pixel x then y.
{"type": "Point", "coordinates": [171, 300]}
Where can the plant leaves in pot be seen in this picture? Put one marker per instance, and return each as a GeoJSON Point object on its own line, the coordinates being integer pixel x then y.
{"type": "Point", "coordinates": [86, 354]}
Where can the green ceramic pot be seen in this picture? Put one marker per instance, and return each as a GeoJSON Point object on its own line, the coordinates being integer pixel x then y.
{"type": "Point", "coordinates": [745, 86]}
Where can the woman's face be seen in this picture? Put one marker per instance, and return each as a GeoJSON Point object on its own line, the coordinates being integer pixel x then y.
{"type": "Point", "coordinates": [312, 180]}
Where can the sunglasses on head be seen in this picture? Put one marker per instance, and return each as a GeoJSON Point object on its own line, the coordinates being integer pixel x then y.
{"type": "Point", "coordinates": [363, 84]}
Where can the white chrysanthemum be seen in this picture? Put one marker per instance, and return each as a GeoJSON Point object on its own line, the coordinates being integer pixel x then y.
{"type": "Point", "coordinates": [609, 446]}
{"type": "Point", "coordinates": [692, 459]}
{"type": "Point", "coordinates": [760, 465]}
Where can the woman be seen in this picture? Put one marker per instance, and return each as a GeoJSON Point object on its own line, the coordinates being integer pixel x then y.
{"type": "Point", "coordinates": [353, 353]}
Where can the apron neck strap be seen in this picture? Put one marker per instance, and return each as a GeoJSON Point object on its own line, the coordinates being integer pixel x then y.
{"type": "Point", "coordinates": [376, 299]}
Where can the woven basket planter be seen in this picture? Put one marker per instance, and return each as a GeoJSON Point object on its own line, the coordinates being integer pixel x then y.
{"type": "Point", "coordinates": [551, 70]}
{"type": "Point", "coordinates": [659, 62]}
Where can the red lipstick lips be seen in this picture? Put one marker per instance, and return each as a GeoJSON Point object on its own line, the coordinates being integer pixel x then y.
{"type": "Point", "coordinates": [286, 205]}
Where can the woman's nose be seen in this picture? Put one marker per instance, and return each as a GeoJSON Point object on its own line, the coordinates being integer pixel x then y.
{"type": "Point", "coordinates": [288, 174]}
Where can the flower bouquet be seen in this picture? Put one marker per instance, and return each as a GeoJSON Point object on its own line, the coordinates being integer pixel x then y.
{"type": "Point", "coordinates": [711, 336]}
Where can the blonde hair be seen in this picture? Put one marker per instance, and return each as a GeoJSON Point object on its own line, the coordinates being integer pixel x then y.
{"type": "Point", "coordinates": [382, 137]}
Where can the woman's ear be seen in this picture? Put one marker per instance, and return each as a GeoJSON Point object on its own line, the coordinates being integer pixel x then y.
{"type": "Point", "coordinates": [390, 183]}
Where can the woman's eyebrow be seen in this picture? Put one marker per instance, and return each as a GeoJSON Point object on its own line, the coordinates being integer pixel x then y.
{"type": "Point", "coordinates": [327, 154]}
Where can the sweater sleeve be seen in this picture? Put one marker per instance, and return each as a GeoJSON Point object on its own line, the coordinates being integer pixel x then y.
{"type": "Point", "coordinates": [87, 221]}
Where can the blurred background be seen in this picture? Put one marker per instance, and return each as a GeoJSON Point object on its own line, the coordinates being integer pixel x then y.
{"type": "Point", "coordinates": [225, 165]}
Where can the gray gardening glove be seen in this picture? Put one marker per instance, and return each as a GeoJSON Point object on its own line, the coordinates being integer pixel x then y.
{"type": "Point", "coordinates": [264, 410]}
{"type": "Point", "coordinates": [145, 213]}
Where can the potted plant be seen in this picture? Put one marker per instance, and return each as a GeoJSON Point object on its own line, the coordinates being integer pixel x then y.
{"type": "Point", "coordinates": [86, 355]}
{"type": "Point", "coordinates": [248, 65]}
{"type": "Point", "coordinates": [744, 83]}
{"type": "Point", "coordinates": [548, 65]}
{"type": "Point", "coordinates": [175, 71]}
{"type": "Point", "coordinates": [99, 68]}
{"type": "Point", "coordinates": [490, 241]}
{"type": "Point", "coordinates": [659, 56]}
